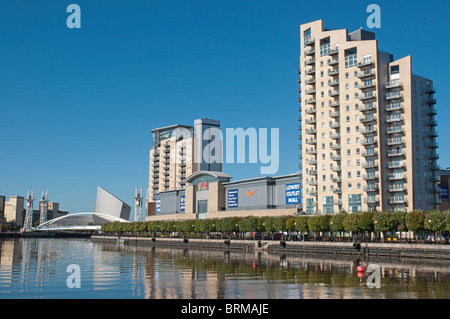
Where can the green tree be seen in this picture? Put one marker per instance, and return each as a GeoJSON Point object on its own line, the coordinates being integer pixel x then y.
{"type": "Point", "coordinates": [337, 222]}
{"type": "Point", "coordinates": [435, 221]}
{"type": "Point", "coordinates": [280, 223]}
{"type": "Point", "coordinates": [314, 225]}
{"type": "Point", "coordinates": [383, 222]}
{"type": "Point", "coordinates": [290, 224]}
{"type": "Point", "coordinates": [260, 224]}
{"type": "Point", "coordinates": [248, 224]}
{"type": "Point", "coordinates": [447, 220]}
{"type": "Point", "coordinates": [415, 221]}
{"type": "Point", "coordinates": [301, 224]}
{"type": "Point", "coordinates": [351, 222]}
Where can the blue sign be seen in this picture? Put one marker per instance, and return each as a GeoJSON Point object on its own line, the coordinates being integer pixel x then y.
{"type": "Point", "coordinates": [232, 198]}
{"type": "Point", "coordinates": [444, 191]}
{"type": "Point", "coordinates": [158, 205]}
{"type": "Point", "coordinates": [182, 205]}
{"type": "Point", "coordinates": [293, 193]}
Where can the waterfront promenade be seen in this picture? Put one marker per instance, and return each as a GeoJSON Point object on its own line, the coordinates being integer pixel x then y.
{"type": "Point", "coordinates": [403, 250]}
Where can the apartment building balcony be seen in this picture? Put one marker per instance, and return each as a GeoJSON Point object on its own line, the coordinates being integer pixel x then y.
{"type": "Point", "coordinates": [369, 177]}
{"type": "Point", "coordinates": [369, 141]}
{"type": "Point", "coordinates": [311, 142]}
{"type": "Point", "coordinates": [333, 51]}
{"type": "Point", "coordinates": [310, 81]}
{"type": "Point", "coordinates": [311, 152]}
{"type": "Point", "coordinates": [311, 51]}
{"type": "Point", "coordinates": [336, 168]}
{"type": "Point", "coordinates": [369, 118]}
{"type": "Point", "coordinates": [312, 172]}
{"type": "Point", "coordinates": [369, 153]}
{"type": "Point", "coordinates": [367, 96]}
{"type": "Point", "coordinates": [310, 111]}
{"type": "Point", "coordinates": [310, 91]}
{"type": "Point", "coordinates": [431, 101]}
{"type": "Point", "coordinates": [368, 107]}
{"type": "Point", "coordinates": [394, 95]}
{"type": "Point", "coordinates": [432, 123]}
{"type": "Point", "coordinates": [155, 170]}
{"type": "Point", "coordinates": [433, 167]}
{"type": "Point", "coordinates": [335, 157]}
{"type": "Point", "coordinates": [311, 121]}
{"type": "Point", "coordinates": [335, 114]}
{"type": "Point", "coordinates": [333, 93]}
{"type": "Point", "coordinates": [371, 200]}
{"type": "Point", "coordinates": [395, 130]}
{"type": "Point", "coordinates": [333, 62]}
{"type": "Point", "coordinates": [334, 103]}
{"type": "Point", "coordinates": [299, 78]}
{"type": "Point", "coordinates": [166, 172]}
{"type": "Point", "coordinates": [396, 153]}
{"type": "Point", "coordinates": [311, 161]}
{"type": "Point", "coordinates": [397, 188]}
{"type": "Point", "coordinates": [310, 61]}
{"type": "Point", "coordinates": [398, 200]}
{"type": "Point", "coordinates": [311, 101]}
{"type": "Point", "coordinates": [299, 89]}
{"type": "Point", "coordinates": [369, 85]}
{"type": "Point", "coordinates": [368, 130]}
{"type": "Point", "coordinates": [299, 71]}
{"type": "Point", "coordinates": [365, 73]}
{"type": "Point", "coordinates": [433, 134]}
{"type": "Point", "coordinates": [299, 99]}
{"type": "Point", "coordinates": [336, 146]}
{"type": "Point", "coordinates": [433, 144]}
{"type": "Point", "coordinates": [396, 177]}
{"type": "Point", "coordinates": [311, 131]}
{"type": "Point", "coordinates": [335, 136]}
{"type": "Point", "coordinates": [371, 164]}
{"type": "Point", "coordinates": [371, 187]}
{"type": "Point", "coordinates": [310, 71]}
{"type": "Point", "coordinates": [433, 156]}
{"type": "Point", "coordinates": [166, 156]}
{"type": "Point", "coordinates": [394, 107]}
{"type": "Point", "coordinates": [309, 41]}
{"type": "Point", "coordinates": [166, 162]}
{"type": "Point", "coordinates": [333, 72]}
{"type": "Point", "coordinates": [333, 83]}
{"type": "Point", "coordinates": [155, 187]}
{"type": "Point", "coordinates": [156, 164]}
{"type": "Point", "coordinates": [337, 179]}
{"type": "Point", "coordinates": [366, 62]}
{"type": "Point", "coordinates": [394, 118]}
{"type": "Point", "coordinates": [313, 193]}
{"type": "Point", "coordinates": [337, 191]}
{"type": "Point", "coordinates": [335, 125]}
{"type": "Point", "coordinates": [430, 90]}
{"type": "Point", "coordinates": [432, 111]}
{"type": "Point", "coordinates": [393, 84]}
{"type": "Point", "coordinates": [396, 164]}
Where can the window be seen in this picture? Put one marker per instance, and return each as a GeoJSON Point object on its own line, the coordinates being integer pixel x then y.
{"type": "Point", "coordinates": [324, 46]}
{"type": "Point", "coordinates": [350, 58]}
{"type": "Point", "coordinates": [395, 69]}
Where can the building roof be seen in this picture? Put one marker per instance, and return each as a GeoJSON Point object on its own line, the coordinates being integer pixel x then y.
{"type": "Point", "coordinates": [218, 175]}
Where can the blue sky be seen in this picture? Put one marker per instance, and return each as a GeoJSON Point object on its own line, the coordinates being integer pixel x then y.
{"type": "Point", "coordinates": [77, 105]}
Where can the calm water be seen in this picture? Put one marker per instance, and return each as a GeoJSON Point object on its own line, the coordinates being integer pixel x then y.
{"type": "Point", "coordinates": [37, 268]}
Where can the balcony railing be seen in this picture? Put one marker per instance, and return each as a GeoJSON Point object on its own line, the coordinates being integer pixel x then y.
{"type": "Point", "coordinates": [396, 153]}
{"type": "Point", "coordinates": [366, 73]}
{"type": "Point", "coordinates": [394, 95]}
{"type": "Point", "coordinates": [394, 107]}
{"type": "Point", "coordinates": [366, 62]}
{"type": "Point", "coordinates": [333, 72]}
{"type": "Point", "coordinates": [368, 177]}
{"type": "Point", "coordinates": [367, 96]}
{"type": "Point", "coordinates": [393, 84]}
{"type": "Point", "coordinates": [397, 188]}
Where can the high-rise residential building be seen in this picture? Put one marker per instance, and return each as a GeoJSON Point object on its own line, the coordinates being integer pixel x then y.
{"type": "Point", "coordinates": [367, 126]}
{"type": "Point", "coordinates": [173, 155]}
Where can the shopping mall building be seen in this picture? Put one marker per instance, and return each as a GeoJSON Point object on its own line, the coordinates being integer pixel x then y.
{"type": "Point", "coordinates": [180, 189]}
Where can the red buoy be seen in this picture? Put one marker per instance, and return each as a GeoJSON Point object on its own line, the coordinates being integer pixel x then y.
{"type": "Point", "coordinates": [360, 269]}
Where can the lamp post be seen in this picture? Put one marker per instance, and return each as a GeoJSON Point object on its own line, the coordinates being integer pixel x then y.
{"type": "Point", "coordinates": [376, 229]}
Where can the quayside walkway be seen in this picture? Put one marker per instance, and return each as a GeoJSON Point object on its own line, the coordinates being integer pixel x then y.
{"type": "Point", "coordinates": [403, 250]}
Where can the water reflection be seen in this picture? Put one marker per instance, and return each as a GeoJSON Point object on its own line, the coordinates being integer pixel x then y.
{"type": "Point", "coordinates": [36, 268]}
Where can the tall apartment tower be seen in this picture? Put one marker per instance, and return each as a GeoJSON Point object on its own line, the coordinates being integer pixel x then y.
{"type": "Point", "coordinates": [173, 156]}
{"type": "Point", "coordinates": [367, 126]}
